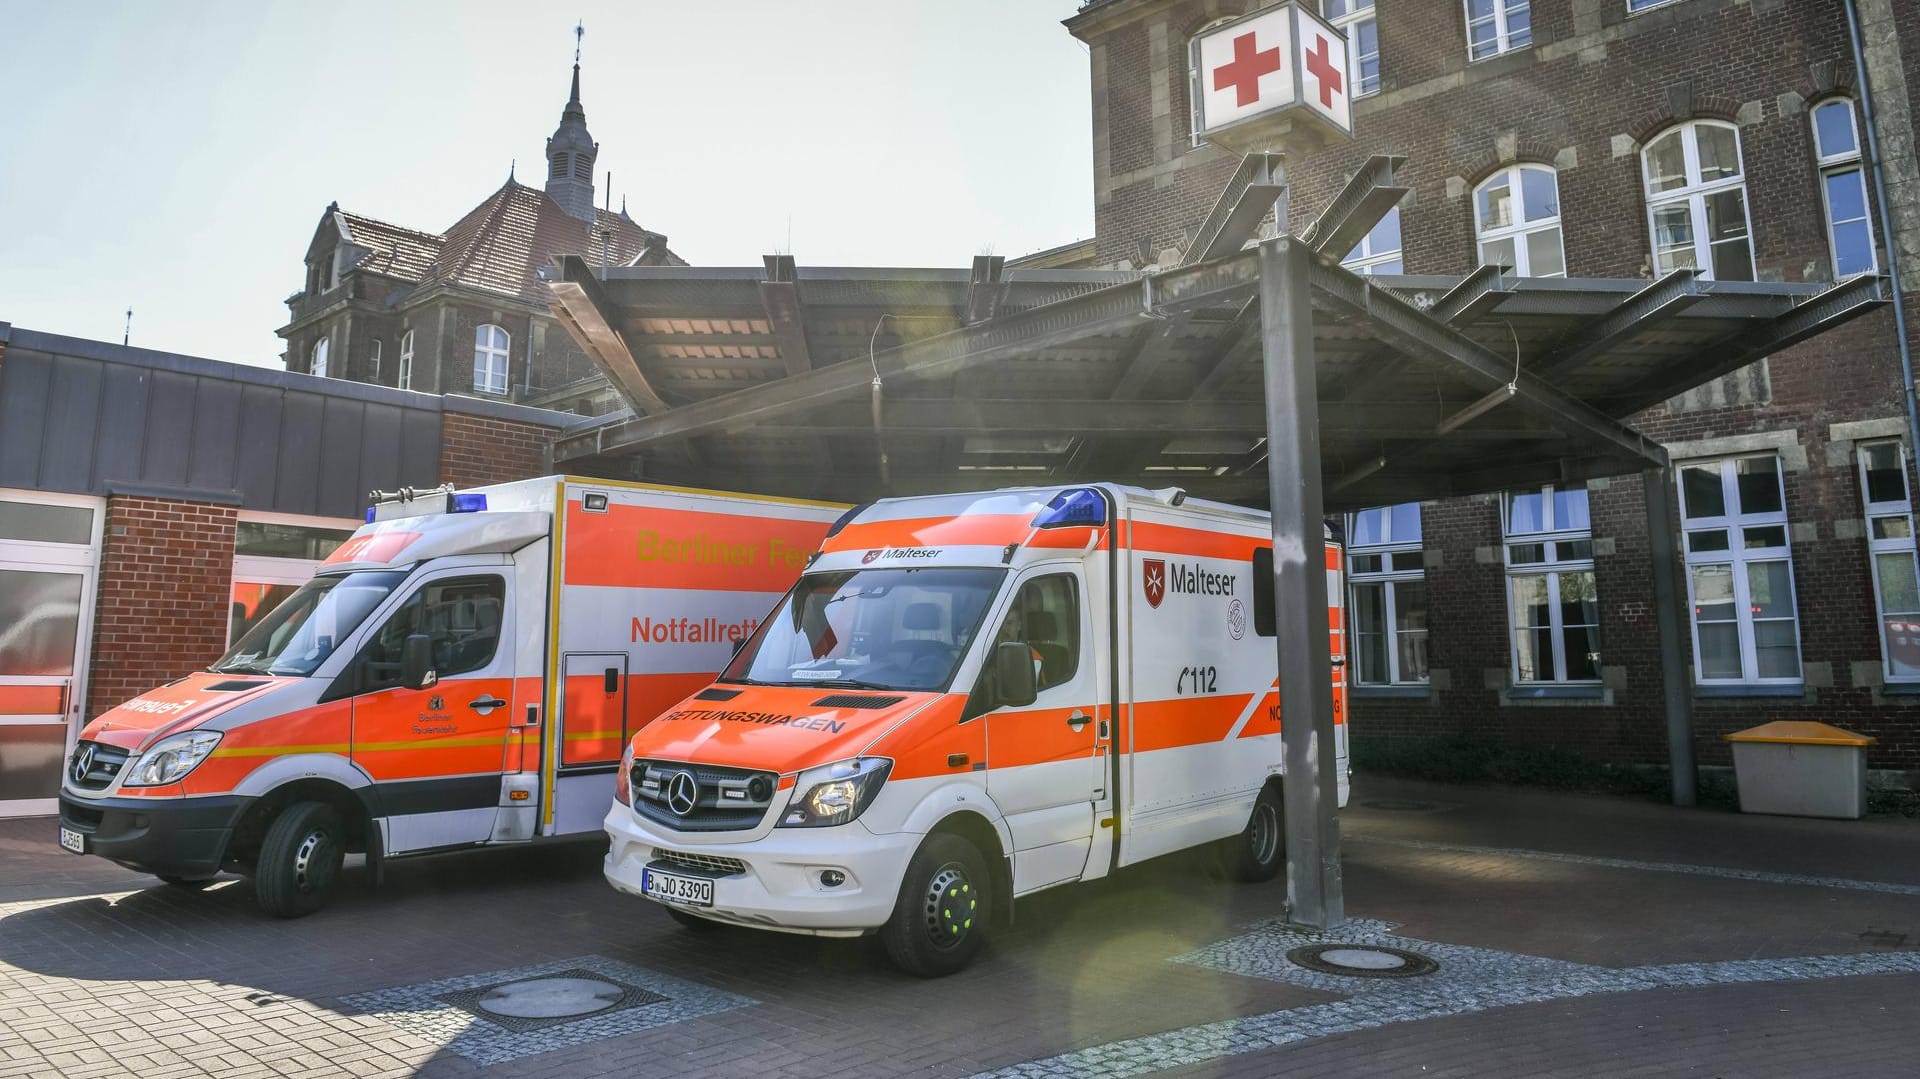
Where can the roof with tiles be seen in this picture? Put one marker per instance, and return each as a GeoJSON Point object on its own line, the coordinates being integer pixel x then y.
{"type": "Point", "coordinates": [394, 250]}
{"type": "Point", "coordinates": [501, 243]}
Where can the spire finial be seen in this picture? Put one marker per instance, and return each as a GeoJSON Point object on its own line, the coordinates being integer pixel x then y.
{"type": "Point", "coordinates": [513, 168]}
{"type": "Point", "coordinates": [579, 31]}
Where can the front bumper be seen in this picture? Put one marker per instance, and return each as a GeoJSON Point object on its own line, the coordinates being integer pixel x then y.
{"type": "Point", "coordinates": [174, 837]}
{"type": "Point", "coordinates": [777, 883]}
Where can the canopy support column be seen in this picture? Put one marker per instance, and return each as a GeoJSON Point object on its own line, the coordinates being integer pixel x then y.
{"type": "Point", "coordinates": [1673, 645]}
{"type": "Point", "coordinates": [1301, 632]}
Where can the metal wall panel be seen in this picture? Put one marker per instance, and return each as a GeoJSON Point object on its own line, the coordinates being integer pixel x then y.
{"type": "Point", "coordinates": [88, 417]}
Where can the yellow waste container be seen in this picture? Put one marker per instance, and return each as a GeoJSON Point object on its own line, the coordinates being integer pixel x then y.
{"type": "Point", "coordinates": [1801, 769]}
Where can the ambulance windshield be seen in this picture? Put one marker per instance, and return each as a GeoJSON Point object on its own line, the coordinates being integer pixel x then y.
{"type": "Point", "coordinates": [297, 636]}
{"type": "Point", "coordinates": [870, 629]}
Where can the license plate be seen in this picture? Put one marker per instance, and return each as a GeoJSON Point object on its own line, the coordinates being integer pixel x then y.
{"type": "Point", "coordinates": [73, 841]}
{"type": "Point", "coordinates": [674, 888]}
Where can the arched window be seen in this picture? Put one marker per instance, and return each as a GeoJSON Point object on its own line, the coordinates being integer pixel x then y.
{"type": "Point", "coordinates": [1516, 215]}
{"type": "Point", "coordinates": [1378, 252]}
{"type": "Point", "coordinates": [1194, 88]}
{"type": "Point", "coordinates": [490, 344]}
{"type": "Point", "coordinates": [1697, 201]}
{"type": "Point", "coordinates": [1843, 187]}
{"type": "Point", "coordinates": [405, 381]}
{"type": "Point", "coordinates": [373, 362]}
{"type": "Point", "coordinates": [317, 359]}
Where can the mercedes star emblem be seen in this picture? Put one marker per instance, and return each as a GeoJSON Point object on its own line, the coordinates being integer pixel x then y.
{"type": "Point", "coordinates": [683, 793]}
{"type": "Point", "coordinates": [82, 763]}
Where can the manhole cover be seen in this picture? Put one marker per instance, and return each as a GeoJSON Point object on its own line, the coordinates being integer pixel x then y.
{"type": "Point", "coordinates": [1362, 961]}
{"type": "Point", "coordinates": [550, 998]}
{"type": "Point", "coordinates": [1400, 805]}
{"type": "Point", "coordinates": [562, 997]}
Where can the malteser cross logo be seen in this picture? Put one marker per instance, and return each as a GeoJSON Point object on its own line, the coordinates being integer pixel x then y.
{"type": "Point", "coordinates": [1153, 574]}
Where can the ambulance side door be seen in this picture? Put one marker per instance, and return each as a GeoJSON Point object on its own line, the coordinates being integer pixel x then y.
{"type": "Point", "coordinates": [1045, 760]}
{"type": "Point", "coordinates": [436, 754]}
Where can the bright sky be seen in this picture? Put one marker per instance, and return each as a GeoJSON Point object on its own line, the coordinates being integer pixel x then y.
{"type": "Point", "coordinates": [176, 159]}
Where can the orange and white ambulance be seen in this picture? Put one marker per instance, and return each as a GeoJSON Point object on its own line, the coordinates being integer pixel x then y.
{"type": "Point", "coordinates": [464, 670]}
{"type": "Point", "coordinates": [966, 699]}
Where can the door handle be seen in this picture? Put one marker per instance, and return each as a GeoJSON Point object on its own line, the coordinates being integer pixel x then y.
{"type": "Point", "coordinates": [1079, 720]}
{"type": "Point", "coordinates": [483, 705]}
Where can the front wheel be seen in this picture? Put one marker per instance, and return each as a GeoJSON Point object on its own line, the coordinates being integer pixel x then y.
{"type": "Point", "coordinates": [941, 917]}
{"type": "Point", "coordinates": [299, 863]}
{"type": "Point", "coordinates": [1260, 850]}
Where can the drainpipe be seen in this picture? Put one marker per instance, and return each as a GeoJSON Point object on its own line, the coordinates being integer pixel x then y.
{"type": "Point", "coordinates": [1886, 229]}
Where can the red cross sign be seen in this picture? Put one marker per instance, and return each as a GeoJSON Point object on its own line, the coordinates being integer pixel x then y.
{"type": "Point", "coordinates": [1281, 59]}
{"type": "Point", "coordinates": [1243, 74]}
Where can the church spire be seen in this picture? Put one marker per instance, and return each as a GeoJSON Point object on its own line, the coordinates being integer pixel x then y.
{"type": "Point", "coordinates": [571, 151]}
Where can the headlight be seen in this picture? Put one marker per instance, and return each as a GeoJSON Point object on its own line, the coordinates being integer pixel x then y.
{"type": "Point", "coordinates": [837, 793]}
{"type": "Point", "coordinates": [623, 779]}
{"type": "Point", "coordinates": [171, 758]}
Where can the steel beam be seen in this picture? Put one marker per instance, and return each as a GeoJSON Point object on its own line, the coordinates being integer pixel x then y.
{"type": "Point", "coordinates": [1399, 324]}
{"type": "Point", "coordinates": [1637, 314]}
{"type": "Point", "coordinates": [1089, 314]}
{"type": "Point", "coordinates": [1252, 191]}
{"type": "Point", "coordinates": [584, 309]}
{"type": "Point", "coordinates": [1148, 353]}
{"type": "Point", "coordinates": [986, 288]}
{"type": "Point", "coordinates": [1367, 197]}
{"type": "Point", "coordinates": [1477, 293]}
{"type": "Point", "coordinates": [1842, 303]}
{"type": "Point", "coordinates": [780, 297]}
{"type": "Point", "coordinates": [1310, 790]}
{"type": "Point", "coordinates": [1674, 668]}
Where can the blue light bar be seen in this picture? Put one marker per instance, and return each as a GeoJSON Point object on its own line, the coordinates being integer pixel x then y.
{"type": "Point", "coordinates": [467, 503]}
{"type": "Point", "coordinates": [1078, 508]}
{"type": "Point", "coordinates": [369, 514]}
{"type": "Point", "coordinates": [845, 519]}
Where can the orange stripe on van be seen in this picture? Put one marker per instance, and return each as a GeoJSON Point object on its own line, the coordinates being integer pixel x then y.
{"type": "Point", "coordinates": [974, 530]}
{"type": "Point", "coordinates": [1185, 721]}
{"type": "Point", "coordinates": [30, 701]}
{"type": "Point", "coordinates": [649, 547]}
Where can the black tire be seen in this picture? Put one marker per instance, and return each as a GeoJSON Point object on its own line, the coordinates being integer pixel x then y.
{"type": "Point", "coordinates": [1260, 850]}
{"type": "Point", "coordinates": [185, 884]}
{"type": "Point", "coordinates": [931, 934]}
{"type": "Point", "coordinates": [692, 921]}
{"type": "Point", "coordinates": [299, 863]}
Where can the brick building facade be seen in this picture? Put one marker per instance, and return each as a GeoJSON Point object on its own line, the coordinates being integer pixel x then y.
{"type": "Point", "coordinates": [1591, 137]}
{"type": "Point", "coordinates": [463, 310]}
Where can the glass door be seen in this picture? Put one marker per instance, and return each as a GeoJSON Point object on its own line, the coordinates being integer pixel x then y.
{"type": "Point", "coordinates": [47, 559]}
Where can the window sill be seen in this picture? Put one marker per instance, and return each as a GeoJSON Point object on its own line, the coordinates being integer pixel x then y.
{"type": "Point", "coordinates": [1735, 691]}
{"type": "Point", "coordinates": [1398, 692]}
{"type": "Point", "coordinates": [1900, 689]}
{"type": "Point", "coordinates": [1556, 692]}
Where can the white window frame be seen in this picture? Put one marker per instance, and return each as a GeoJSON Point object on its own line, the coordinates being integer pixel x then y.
{"type": "Point", "coordinates": [374, 361]}
{"type": "Point", "coordinates": [1899, 515]}
{"type": "Point", "coordinates": [1635, 7]}
{"type": "Point", "coordinates": [1388, 580]}
{"type": "Point", "coordinates": [486, 354]}
{"type": "Point", "coordinates": [1694, 193]}
{"type": "Point", "coordinates": [1738, 557]}
{"type": "Point", "coordinates": [317, 357]}
{"type": "Point", "coordinates": [1357, 12]}
{"type": "Point", "coordinates": [1552, 537]}
{"type": "Point", "coordinates": [404, 379]}
{"type": "Point", "coordinates": [1195, 89]}
{"type": "Point", "coordinates": [1836, 164]}
{"type": "Point", "coordinates": [1367, 260]}
{"type": "Point", "coordinates": [1514, 175]}
{"type": "Point", "coordinates": [1503, 37]}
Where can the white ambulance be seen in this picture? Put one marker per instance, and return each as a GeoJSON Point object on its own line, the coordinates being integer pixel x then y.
{"type": "Point", "coordinates": [463, 671]}
{"type": "Point", "coordinates": [967, 699]}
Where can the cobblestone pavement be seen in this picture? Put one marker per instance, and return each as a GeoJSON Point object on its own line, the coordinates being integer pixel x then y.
{"type": "Point", "coordinates": [1573, 936]}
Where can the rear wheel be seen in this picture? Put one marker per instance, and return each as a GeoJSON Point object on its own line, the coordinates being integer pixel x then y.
{"type": "Point", "coordinates": [940, 919]}
{"type": "Point", "coordinates": [690, 920]}
{"type": "Point", "coordinates": [1259, 852]}
{"type": "Point", "coordinates": [299, 864]}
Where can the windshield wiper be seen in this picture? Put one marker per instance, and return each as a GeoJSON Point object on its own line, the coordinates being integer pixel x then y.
{"type": "Point", "coordinates": [238, 668]}
{"type": "Point", "coordinates": [838, 683]}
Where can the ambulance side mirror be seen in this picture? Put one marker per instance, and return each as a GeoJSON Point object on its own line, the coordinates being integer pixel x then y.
{"type": "Point", "coordinates": [416, 662]}
{"type": "Point", "coordinates": [1013, 677]}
